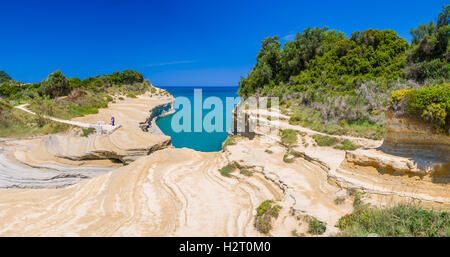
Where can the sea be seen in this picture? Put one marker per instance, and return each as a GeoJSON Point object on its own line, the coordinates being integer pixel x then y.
{"type": "Point", "coordinates": [201, 141]}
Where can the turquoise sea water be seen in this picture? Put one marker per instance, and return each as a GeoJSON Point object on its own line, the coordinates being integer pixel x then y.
{"type": "Point", "coordinates": [200, 141]}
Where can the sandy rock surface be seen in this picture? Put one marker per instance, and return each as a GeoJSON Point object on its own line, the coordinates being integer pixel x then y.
{"type": "Point", "coordinates": [163, 191]}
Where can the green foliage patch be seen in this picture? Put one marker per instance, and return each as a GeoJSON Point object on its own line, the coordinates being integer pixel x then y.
{"type": "Point", "coordinates": [325, 140]}
{"type": "Point", "coordinates": [264, 214]}
{"type": "Point", "coordinates": [226, 170]}
{"type": "Point", "coordinates": [397, 221]}
{"type": "Point", "coordinates": [432, 104]}
{"type": "Point", "coordinates": [316, 227]}
{"type": "Point", "coordinates": [229, 141]}
{"type": "Point", "coordinates": [17, 123]}
{"type": "Point", "coordinates": [87, 131]}
{"type": "Point", "coordinates": [288, 137]}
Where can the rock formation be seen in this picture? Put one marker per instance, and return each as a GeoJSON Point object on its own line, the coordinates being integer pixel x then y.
{"type": "Point", "coordinates": [165, 191]}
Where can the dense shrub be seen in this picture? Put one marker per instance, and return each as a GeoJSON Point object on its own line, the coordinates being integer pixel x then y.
{"type": "Point", "coordinates": [430, 103]}
{"type": "Point", "coordinates": [346, 145]}
{"type": "Point", "coordinates": [325, 140]}
{"type": "Point", "coordinates": [55, 85]}
{"type": "Point", "coordinates": [9, 89]}
{"type": "Point", "coordinates": [316, 227]}
{"type": "Point", "coordinates": [227, 169]}
{"type": "Point", "coordinates": [325, 60]}
{"type": "Point", "coordinates": [402, 220]}
{"type": "Point", "coordinates": [4, 76]}
{"type": "Point", "coordinates": [288, 137]}
{"type": "Point", "coordinates": [430, 53]}
{"type": "Point", "coordinates": [264, 214]}
{"type": "Point", "coordinates": [87, 131]}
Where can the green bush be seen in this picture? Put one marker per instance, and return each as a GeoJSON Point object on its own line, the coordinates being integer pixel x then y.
{"type": "Point", "coordinates": [432, 104]}
{"type": "Point", "coordinates": [295, 119]}
{"type": "Point", "coordinates": [229, 141]}
{"type": "Point", "coordinates": [4, 76]}
{"type": "Point", "coordinates": [87, 131]}
{"type": "Point", "coordinates": [429, 55]}
{"type": "Point", "coordinates": [264, 214]}
{"type": "Point", "coordinates": [397, 221]}
{"type": "Point", "coordinates": [286, 158]}
{"type": "Point", "coordinates": [226, 170]}
{"type": "Point", "coordinates": [325, 140]}
{"type": "Point", "coordinates": [131, 96]}
{"type": "Point", "coordinates": [288, 137]}
{"type": "Point", "coordinates": [245, 172]}
{"type": "Point", "coordinates": [323, 59]}
{"type": "Point", "coordinates": [55, 85]}
{"type": "Point", "coordinates": [347, 145]}
{"type": "Point", "coordinates": [316, 227]}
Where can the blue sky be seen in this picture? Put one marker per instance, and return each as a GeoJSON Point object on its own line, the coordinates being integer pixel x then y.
{"type": "Point", "coordinates": [176, 43]}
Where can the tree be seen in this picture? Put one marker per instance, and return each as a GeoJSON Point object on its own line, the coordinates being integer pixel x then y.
{"type": "Point", "coordinates": [422, 31]}
{"type": "Point", "coordinates": [444, 16]}
{"type": "Point", "coordinates": [298, 53]}
{"type": "Point", "coordinates": [7, 89]}
{"type": "Point", "coordinates": [430, 55]}
{"type": "Point", "coordinates": [4, 76]}
{"type": "Point", "coordinates": [131, 77]}
{"type": "Point", "coordinates": [267, 67]}
{"type": "Point", "coordinates": [74, 82]}
{"type": "Point", "coordinates": [55, 85]}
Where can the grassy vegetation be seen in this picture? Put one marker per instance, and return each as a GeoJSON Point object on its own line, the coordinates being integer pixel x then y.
{"type": "Point", "coordinates": [246, 172]}
{"type": "Point", "coordinates": [264, 214]}
{"type": "Point", "coordinates": [69, 108]}
{"type": "Point", "coordinates": [62, 97]}
{"type": "Point", "coordinates": [309, 118]}
{"type": "Point", "coordinates": [295, 233]}
{"type": "Point", "coordinates": [397, 221]}
{"type": "Point", "coordinates": [78, 103]}
{"type": "Point", "coordinates": [325, 140]}
{"type": "Point", "coordinates": [316, 227]}
{"type": "Point", "coordinates": [287, 158]}
{"type": "Point", "coordinates": [230, 167]}
{"type": "Point", "coordinates": [288, 137]}
{"type": "Point", "coordinates": [291, 155]}
{"type": "Point", "coordinates": [67, 98]}
{"type": "Point", "coordinates": [229, 141]}
{"type": "Point", "coordinates": [345, 144]}
{"type": "Point", "coordinates": [17, 123]}
{"type": "Point", "coordinates": [87, 131]}
{"type": "Point", "coordinates": [226, 170]}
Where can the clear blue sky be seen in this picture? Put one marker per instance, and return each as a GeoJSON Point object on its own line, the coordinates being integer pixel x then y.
{"type": "Point", "coordinates": [195, 43]}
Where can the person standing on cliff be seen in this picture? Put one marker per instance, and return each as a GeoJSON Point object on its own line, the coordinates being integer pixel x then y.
{"type": "Point", "coordinates": [112, 121]}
